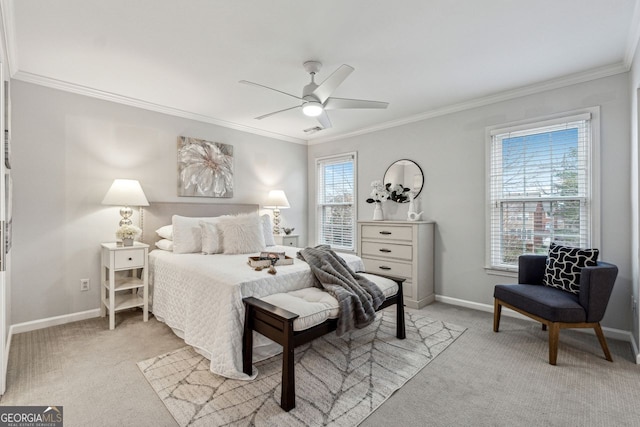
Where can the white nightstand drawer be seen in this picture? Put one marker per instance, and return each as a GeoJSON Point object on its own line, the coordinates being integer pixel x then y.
{"type": "Point", "coordinates": [387, 232]}
{"type": "Point", "coordinates": [387, 250]}
{"type": "Point", "coordinates": [387, 267]}
{"type": "Point", "coordinates": [129, 258]}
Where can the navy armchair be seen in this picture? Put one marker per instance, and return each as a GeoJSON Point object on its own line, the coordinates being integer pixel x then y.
{"type": "Point", "coordinates": [555, 308]}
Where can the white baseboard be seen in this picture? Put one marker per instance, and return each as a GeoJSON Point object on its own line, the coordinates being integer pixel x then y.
{"type": "Point", "coordinates": [53, 321]}
{"type": "Point", "coordinates": [613, 333]}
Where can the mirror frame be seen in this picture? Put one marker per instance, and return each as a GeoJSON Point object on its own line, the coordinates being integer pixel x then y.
{"type": "Point", "coordinates": [384, 181]}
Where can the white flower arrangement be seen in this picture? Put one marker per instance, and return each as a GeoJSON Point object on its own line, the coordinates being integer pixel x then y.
{"type": "Point", "coordinates": [128, 232]}
{"type": "Point", "coordinates": [378, 193]}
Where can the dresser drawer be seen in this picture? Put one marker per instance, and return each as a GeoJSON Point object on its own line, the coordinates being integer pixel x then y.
{"type": "Point", "coordinates": [129, 258]}
{"type": "Point", "coordinates": [387, 232]}
{"type": "Point", "coordinates": [387, 250]}
{"type": "Point", "coordinates": [391, 268]}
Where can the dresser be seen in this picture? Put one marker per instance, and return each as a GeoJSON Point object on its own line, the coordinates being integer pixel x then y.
{"type": "Point", "coordinates": [403, 249]}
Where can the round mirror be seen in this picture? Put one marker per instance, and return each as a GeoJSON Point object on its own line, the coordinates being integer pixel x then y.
{"type": "Point", "coordinates": [402, 177]}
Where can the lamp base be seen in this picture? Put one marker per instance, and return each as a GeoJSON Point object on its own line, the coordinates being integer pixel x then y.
{"type": "Point", "coordinates": [126, 213]}
{"type": "Point", "coordinates": [276, 221]}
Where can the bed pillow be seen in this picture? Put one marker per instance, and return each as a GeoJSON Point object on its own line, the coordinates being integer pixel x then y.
{"type": "Point", "coordinates": [165, 232]}
{"type": "Point", "coordinates": [187, 236]}
{"type": "Point", "coordinates": [267, 230]}
{"type": "Point", "coordinates": [241, 234]}
{"type": "Point", "coordinates": [165, 244]}
{"type": "Point", "coordinates": [211, 242]}
{"type": "Point", "coordinates": [564, 264]}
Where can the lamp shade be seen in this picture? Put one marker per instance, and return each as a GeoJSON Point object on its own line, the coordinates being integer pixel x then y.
{"type": "Point", "coordinates": [277, 200]}
{"type": "Point", "coordinates": [125, 192]}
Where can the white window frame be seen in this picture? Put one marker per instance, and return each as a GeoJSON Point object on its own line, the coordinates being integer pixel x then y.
{"type": "Point", "coordinates": [319, 206]}
{"type": "Point", "coordinates": [592, 199]}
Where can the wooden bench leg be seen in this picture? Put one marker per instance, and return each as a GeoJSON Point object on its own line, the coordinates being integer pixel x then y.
{"type": "Point", "coordinates": [288, 394]}
{"type": "Point", "coordinates": [497, 310]}
{"type": "Point", "coordinates": [247, 341]}
{"type": "Point", "coordinates": [401, 332]}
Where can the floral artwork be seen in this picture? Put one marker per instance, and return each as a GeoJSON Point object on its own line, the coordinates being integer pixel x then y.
{"type": "Point", "coordinates": [205, 168]}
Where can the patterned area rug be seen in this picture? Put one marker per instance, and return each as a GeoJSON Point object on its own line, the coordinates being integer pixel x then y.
{"type": "Point", "coordinates": [339, 381]}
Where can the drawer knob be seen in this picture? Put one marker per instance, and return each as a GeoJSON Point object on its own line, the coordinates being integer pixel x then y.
{"type": "Point", "coordinates": [385, 232]}
{"type": "Point", "coordinates": [388, 251]}
{"type": "Point", "coordinates": [130, 259]}
{"type": "Point", "coordinates": [384, 267]}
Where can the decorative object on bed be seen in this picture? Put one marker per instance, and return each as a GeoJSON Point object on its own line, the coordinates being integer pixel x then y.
{"type": "Point", "coordinates": [378, 195]}
{"type": "Point", "coordinates": [125, 193]}
{"type": "Point", "coordinates": [211, 241]}
{"type": "Point", "coordinates": [205, 168]}
{"type": "Point", "coordinates": [277, 200]}
{"type": "Point", "coordinates": [403, 176]}
{"type": "Point", "coordinates": [183, 382]}
{"type": "Point", "coordinates": [127, 233]}
{"type": "Point", "coordinates": [187, 235]}
{"type": "Point", "coordinates": [265, 259]}
{"type": "Point", "coordinates": [241, 234]}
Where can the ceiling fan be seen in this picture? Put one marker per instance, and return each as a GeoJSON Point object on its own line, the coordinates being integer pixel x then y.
{"type": "Point", "coordinates": [316, 99]}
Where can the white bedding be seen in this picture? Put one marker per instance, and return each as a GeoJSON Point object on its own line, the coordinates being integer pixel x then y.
{"type": "Point", "coordinates": [200, 296]}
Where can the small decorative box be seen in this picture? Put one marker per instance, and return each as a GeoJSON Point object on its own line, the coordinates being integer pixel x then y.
{"type": "Point", "coordinates": [264, 260]}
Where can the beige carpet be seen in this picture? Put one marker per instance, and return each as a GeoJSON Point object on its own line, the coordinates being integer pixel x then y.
{"type": "Point", "coordinates": [339, 381]}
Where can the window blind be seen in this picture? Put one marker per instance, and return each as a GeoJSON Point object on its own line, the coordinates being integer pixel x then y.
{"type": "Point", "coordinates": [539, 188]}
{"type": "Point", "coordinates": [335, 203]}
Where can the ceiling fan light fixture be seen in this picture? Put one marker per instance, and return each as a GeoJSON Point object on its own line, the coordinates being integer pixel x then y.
{"type": "Point", "coordinates": [312, 109]}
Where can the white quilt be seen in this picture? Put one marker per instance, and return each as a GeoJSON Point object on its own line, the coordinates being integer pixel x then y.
{"type": "Point", "coordinates": [200, 296]}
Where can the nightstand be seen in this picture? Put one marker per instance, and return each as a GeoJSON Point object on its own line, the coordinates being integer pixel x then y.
{"type": "Point", "coordinates": [286, 240]}
{"type": "Point", "coordinates": [123, 291]}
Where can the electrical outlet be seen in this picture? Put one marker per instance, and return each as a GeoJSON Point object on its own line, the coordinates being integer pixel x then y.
{"type": "Point", "coordinates": [84, 284]}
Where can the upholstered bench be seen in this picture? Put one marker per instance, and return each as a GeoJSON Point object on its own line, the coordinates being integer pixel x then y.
{"type": "Point", "coordinates": [298, 317]}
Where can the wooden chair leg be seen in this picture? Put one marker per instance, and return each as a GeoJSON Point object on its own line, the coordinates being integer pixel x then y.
{"type": "Point", "coordinates": [400, 326]}
{"type": "Point", "coordinates": [544, 327]}
{"type": "Point", "coordinates": [554, 336]}
{"type": "Point", "coordinates": [497, 309]}
{"type": "Point", "coordinates": [603, 342]}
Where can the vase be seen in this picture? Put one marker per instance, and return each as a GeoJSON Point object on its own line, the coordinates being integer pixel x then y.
{"type": "Point", "coordinates": [127, 242]}
{"type": "Point", "coordinates": [377, 213]}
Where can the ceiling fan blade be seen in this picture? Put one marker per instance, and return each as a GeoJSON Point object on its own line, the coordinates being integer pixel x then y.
{"type": "Point", "coordinates": [332, 82]}
{"type": "Point", "coordinates": [337, 103]}
{"type": "Point", "coordinates": [276, 112]}
{"type": "Point", "coordinates": [267, 87]}
{"type": "Point", "coordinates": [323, 119]}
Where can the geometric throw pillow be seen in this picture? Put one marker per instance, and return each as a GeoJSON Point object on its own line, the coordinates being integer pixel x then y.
{"type": "Point", "coordinates": [564, 264]}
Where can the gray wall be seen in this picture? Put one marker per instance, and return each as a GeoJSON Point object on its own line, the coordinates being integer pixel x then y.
{"type": "Point", "coordinates": [451, 151]}
{"type": "Point", "coordinates": [67, 150]}
{"type": "Point", "coordinates": [634, 89]}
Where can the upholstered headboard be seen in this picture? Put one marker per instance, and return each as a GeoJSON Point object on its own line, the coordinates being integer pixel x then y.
{"type": "Point", "coordinates": [158, 214]}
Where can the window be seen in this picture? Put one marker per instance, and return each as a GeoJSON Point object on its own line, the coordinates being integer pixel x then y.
{"type": "Point", "coordinates": [336, 210]}
{"type": "Point", "coordinates": [541, 181]}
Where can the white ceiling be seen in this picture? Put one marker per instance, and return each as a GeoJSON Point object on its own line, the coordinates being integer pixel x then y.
{"type": "Point", "coordinates": [424, 57]}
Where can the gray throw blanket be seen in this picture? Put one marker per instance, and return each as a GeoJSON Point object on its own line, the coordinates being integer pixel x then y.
{"type": "Point", "coordinates": [357, 296]}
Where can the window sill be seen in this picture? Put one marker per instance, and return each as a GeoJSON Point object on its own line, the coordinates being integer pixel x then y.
{"type": "Point", "coordinates": [501, 272]}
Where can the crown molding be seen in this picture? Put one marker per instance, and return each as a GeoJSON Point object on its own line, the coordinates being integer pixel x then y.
{"type": "Point", "coordinates": [7, 37]}
{"type": "Point", "coordinates": [585, 76]}
{"type": "Point", "coordinates": [633, 37]}
{"type": "Point", "coordinates": [145, 105]}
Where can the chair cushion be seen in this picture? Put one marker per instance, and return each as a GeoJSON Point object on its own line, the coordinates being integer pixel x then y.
{"type": "Point", "coordinates": [564, 264]}
{"type": "Point", "coordinates": [543, 301]}
{"type": "Point", "coordinates": [387, 286]}
{"type": "Point", "coordinates": [313, 305]}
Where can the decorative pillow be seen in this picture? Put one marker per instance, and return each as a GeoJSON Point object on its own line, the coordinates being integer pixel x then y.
{"type": "Point", "coordinates": [165, 245]}
{"type": "Point", "coordinates": [210, 238]}
{"type": "Point", "coordinates": [267, 229]}
{"type": "Point", "coordinates": [241, 234]}
{"type": "Point", "coordinates": [564, 264]}
{"type": "Point", "coordinates": [165, 232]}
{"type": "Point", "coordinates": [187, 236]}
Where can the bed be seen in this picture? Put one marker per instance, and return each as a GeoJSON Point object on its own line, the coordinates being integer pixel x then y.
{"type": "Point", "coordinates": [200, 296]}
